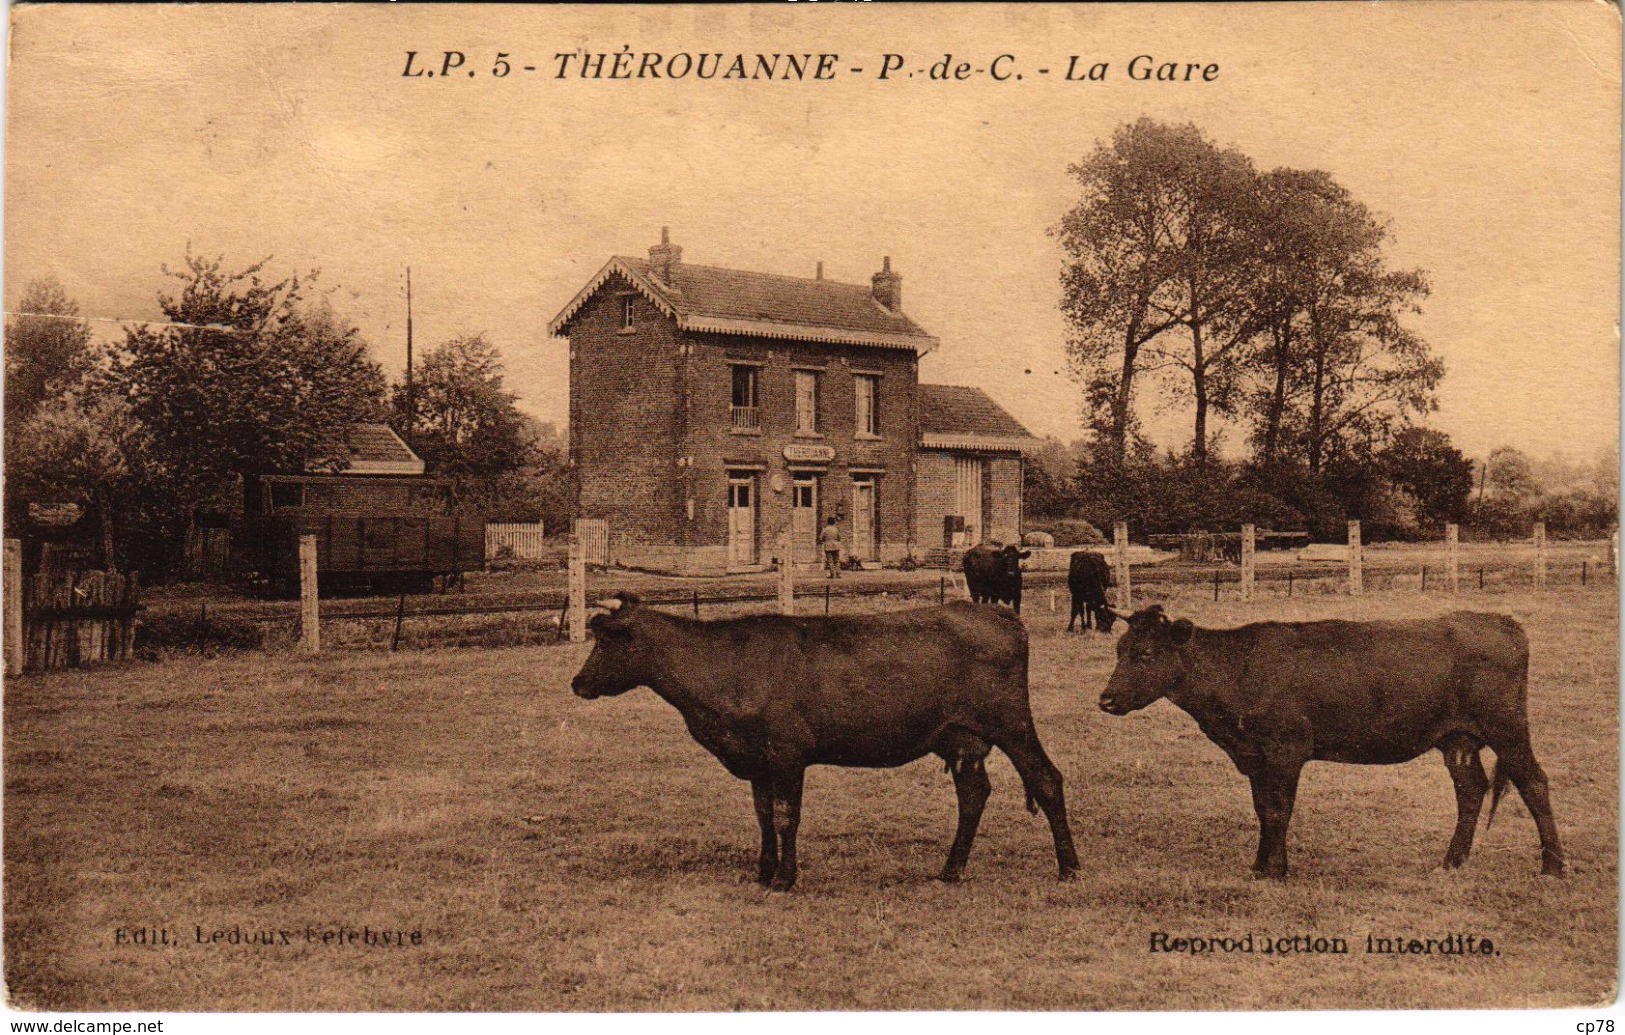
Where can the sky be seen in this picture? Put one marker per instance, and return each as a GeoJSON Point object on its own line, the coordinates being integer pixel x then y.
{"type": "Point", "coordinates": [1487, 133]}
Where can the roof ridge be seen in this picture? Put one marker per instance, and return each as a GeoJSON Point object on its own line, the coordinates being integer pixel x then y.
{"type": "Point", "coordinates": [762, 273]}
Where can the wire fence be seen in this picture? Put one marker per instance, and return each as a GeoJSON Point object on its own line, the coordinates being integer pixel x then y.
{"type": "Point", "coordinates": [541, 617]}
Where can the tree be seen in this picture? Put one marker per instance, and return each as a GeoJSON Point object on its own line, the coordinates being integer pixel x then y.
{"type": "Point", "coordinates": [244, 378]}
{"type": "Point", "coordinates": [1120, 240]}
{"type": "Point", "coordinates": [1510, 474]}
{"type": "Point", "coordinates": [461, 419]}
{"type": "Point", "coordinates": [47, 349]}
{"type": "Point", "coordinates": [1435, 474]}
{"type": "Point", "coordinates": [1216, 264]}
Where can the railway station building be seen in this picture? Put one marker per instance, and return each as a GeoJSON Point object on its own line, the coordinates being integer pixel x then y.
{"type": "Point", "coordinates": [712, 410]}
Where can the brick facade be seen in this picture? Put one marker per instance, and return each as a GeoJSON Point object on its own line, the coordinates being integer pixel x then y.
{"type": "Point", "coordinates": [625, 424]}
{"type": "Point", "coordinates": [659, 451]}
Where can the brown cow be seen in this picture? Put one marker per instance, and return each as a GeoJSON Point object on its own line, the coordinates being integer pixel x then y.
{"type": "Point", "coordinates": [770, 695]}
{"type": "Point", "coordinates": [1278, 694]}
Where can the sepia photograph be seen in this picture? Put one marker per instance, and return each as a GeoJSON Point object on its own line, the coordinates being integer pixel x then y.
{"type": "Point", "coordinates": [718, 508]}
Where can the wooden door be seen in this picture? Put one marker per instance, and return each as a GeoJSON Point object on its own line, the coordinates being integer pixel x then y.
{"type": "Point", "coordinates": [804, 520]}
{"type": "Point", "coordinates": [863, 520]}
{"type": "Point", "coordinates": [968, 482]}
{"type": "Point", "coordinates": [741, 522]}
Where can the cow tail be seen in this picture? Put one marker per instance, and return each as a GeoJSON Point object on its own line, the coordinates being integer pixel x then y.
{"type": "Point", "coordinates": [1498, 786]}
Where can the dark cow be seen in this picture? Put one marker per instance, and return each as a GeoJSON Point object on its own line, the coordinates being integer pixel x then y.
{"type": "Point", "coordinates": [770, 695]}
{"type": "Point", "coordinates": [1278, 694]}
{"type": "Point", "coordinates": [993, 575]}
{"type": "Point", "coordinates": [1088, 579]}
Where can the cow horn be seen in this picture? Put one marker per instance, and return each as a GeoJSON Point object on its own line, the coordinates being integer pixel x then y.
{"type": "Point", "coordinates": [1124, 615]}
{"type": "Point", "coordinates": [609, 603]}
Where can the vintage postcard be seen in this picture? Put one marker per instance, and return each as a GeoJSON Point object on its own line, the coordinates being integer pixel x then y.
{"type": "Point", "coordinates": [791, 507]}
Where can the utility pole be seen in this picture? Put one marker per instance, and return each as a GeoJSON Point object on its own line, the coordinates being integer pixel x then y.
{"type": "Point", "coordinates": [411, 399]}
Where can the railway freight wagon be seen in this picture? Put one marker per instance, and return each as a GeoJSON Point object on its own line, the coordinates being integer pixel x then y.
{"type": "Point", "coordinates": [381, 553]}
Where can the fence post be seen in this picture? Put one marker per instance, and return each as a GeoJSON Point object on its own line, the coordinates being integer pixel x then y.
{"type": "Point", "coordinates": [787, 577]}
{"type": "Point", "coordinates": [310, 627]}
{"type": "Point", "coordinates": [1248, 560]}
{"type": "Point", "coordinates": [400, 616]}
{"type": "Point", "coordinates": [578, 591]}
{"type": "Point", "coordinates": [1356, 562]}
{"type": "Point", "coordinates": [1125, 593]}
{"type": "Point", "coordinates": [1540, 555]}
{"type": "Point", "coordinates": [1452, 551]}
{"type": "Point", "coordinates": [14, 607]}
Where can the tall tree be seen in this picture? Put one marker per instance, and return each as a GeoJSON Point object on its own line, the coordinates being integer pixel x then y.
{"type": "Point", "coordinates": [1215, 223]}
{"type": "Point", "coordinates": [1121, 240]}
{"type": "Point", "coordinates": [1356, 373]}
{"type": "Point", "coordinates": [243, 378]}
{"type": "Point", "coordinates": [47, 349]}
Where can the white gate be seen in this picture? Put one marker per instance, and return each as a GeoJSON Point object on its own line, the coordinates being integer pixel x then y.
{"type": "Point", "coordinates": [518, 541]}
{"type": "Point", "coordinates": [593, 535]}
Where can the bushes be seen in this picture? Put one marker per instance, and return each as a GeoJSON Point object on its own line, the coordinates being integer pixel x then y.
{"type": "Point", "coordinates": [161, 632]}
{"type": "Point", "coordinates": [1069, 531]}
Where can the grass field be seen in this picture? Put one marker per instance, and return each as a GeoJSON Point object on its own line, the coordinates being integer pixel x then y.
{"type": "Point", "coordinates": [556, 854]}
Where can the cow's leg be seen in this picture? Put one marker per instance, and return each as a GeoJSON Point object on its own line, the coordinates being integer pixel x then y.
{"type": "Point", "coordinates": [1519, 765]}
{"type": "Point", "coordinates": [1467, 772]}
{"type": "Point", "coordinates": [972, 787]}
{"type": "Point", "coordinates": [767, 863]}
{"type": "Point", "coordinates": [1076, 614]}
{"type": "Point", "coordinates": [1275, 789]}
{"type": "Point", "coordinates": [786, 819]}
{"type": "Point", "coordinates": [1043, 784]}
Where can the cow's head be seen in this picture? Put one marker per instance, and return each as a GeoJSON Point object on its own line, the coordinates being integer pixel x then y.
{"type": "Point", "coordinates": [1010, 559]}
{"type": "Point", "coordinates": [620, 659]}
{"type": "Point", "coordinates": [1151, 661]}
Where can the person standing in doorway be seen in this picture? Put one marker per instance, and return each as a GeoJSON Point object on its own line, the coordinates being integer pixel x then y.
{"type": "Point", "coordinates": [831, 541]}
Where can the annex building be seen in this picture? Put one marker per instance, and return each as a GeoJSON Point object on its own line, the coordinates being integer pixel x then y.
{"type": "Point", "coordinates": [713, 409]}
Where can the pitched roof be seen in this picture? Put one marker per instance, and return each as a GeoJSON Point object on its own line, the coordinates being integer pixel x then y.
{"type": "Point", "coordinates": [376, 449]}
{"type": "Point", "coordinates": [709, 298]}
{"type": "Point", "coordinates": [955, 417]}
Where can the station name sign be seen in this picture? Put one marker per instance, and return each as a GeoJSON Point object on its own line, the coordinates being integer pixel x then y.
{"type": "Point", "coordinates": [802, 453]}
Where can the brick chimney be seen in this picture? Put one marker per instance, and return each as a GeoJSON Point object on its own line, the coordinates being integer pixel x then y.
{"type": "Point", "coordinates": [665, 255]}
{"type": "Point", "coordinates": [888, 287]}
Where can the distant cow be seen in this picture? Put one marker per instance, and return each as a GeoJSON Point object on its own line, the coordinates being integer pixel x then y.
{"type": "Point", "coordinates": [993, 575]}
{"type": "Point", "coordinates": [770, 695]}
{"type": "Point", "coordinates": [1278, 694]}
{"type": "Point", "coordinates": [1088, 579]}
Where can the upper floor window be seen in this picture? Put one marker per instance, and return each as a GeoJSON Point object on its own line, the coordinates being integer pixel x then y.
{"type": "Point", "coordinates": [745, 412]}
{"type": "Point", "coordinates": [626, 312]}
{"type": "Point", "coordinates": [806, 401]}
{"type": "Point", "coordinates": [867, 388]}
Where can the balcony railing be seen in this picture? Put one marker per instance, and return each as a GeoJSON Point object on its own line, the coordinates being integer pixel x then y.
{"type": "Point", "coordinates": [748, 417]}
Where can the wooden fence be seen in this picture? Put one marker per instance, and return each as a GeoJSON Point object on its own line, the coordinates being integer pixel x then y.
{"type": "Point", "coordinates": [513, 541]}
{"type": "Point", "coordinates": [77, 621]}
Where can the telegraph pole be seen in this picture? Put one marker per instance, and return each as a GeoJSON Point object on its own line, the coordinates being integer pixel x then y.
{"type": "Point", "coordinates": [411, 399]}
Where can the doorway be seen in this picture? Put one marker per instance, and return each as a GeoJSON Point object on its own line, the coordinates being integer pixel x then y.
{"type": "Point", "coordinates": [863, 519]}
{"type": "Point", "coordinates": [968, 474]}
{"type": "Point", "coordinates": [804, 519]}
{"type": "Point", "coordinates": [741, 521]}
